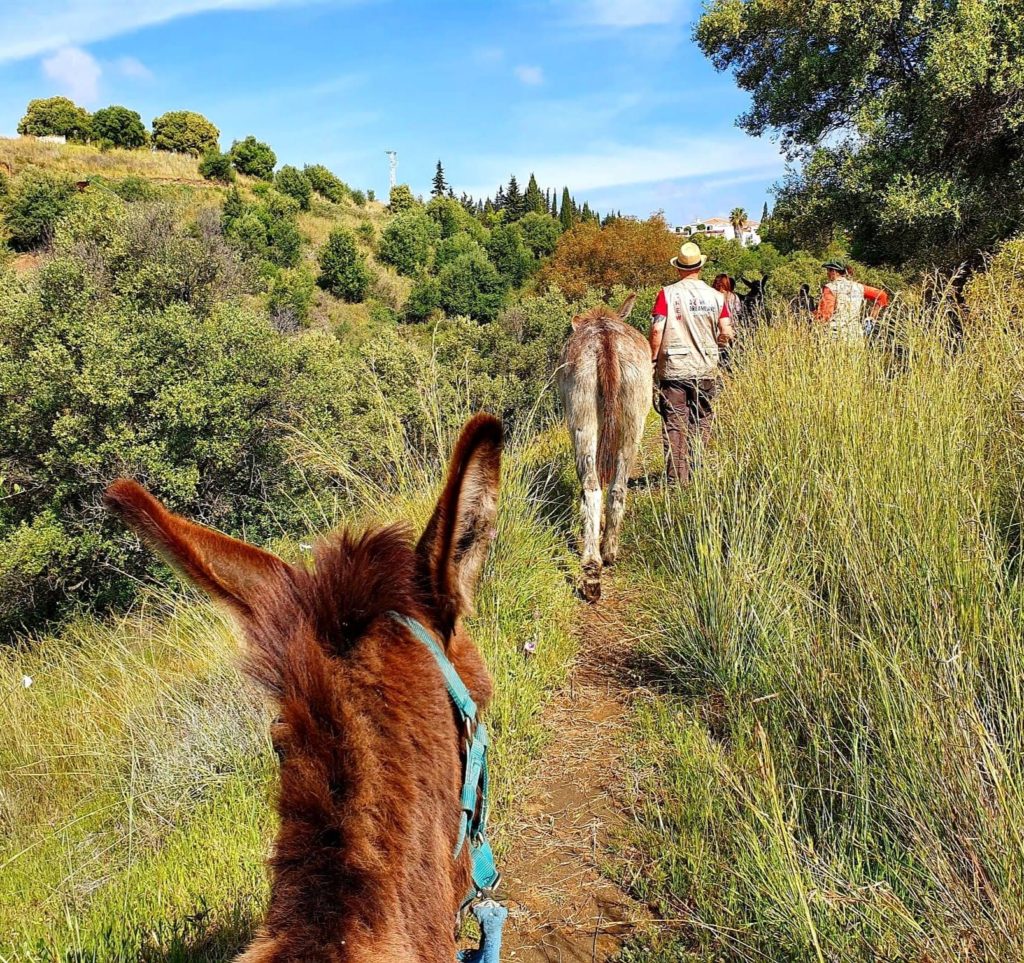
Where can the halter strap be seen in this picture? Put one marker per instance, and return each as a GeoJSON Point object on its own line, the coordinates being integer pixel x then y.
{"type": "Point", "coordinates": [475, 782]}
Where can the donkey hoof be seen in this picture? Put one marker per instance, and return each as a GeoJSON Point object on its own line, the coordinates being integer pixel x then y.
{"type": "Point", "coordinates": [609, 559]}
{"type": "Point", "coordinates": [590, 589]}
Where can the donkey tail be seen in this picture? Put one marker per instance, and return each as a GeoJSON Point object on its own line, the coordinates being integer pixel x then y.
{"type": "Point", "coordinates": [609, 385]}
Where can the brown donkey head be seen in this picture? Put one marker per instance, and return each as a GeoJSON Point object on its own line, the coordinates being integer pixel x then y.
{"type": "Point", "coordinates": [362, 867]}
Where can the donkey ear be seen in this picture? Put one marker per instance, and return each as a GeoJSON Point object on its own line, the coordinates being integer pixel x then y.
{"type": "Point", "coordinates": [454, 545]}
{"type": "Point", "coordinates": [229, 570]}
{"type": "Point", "coordinates": [577, 321]}
{"type": "Point", "coordinates": [627, 306]}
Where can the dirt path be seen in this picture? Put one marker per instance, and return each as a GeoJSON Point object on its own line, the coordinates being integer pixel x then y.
{"type": "Point", "coordinates": [563, 907]}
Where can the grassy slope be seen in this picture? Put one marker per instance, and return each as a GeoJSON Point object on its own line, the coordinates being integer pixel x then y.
{"type": "Point", "coordinates": [137, 772]}
{"type": "Point", "coordinates": [833, 769]}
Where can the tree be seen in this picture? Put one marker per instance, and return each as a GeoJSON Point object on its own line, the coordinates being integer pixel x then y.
{"type": "Point", "coordinates": [566, 217]}
{"type": "Point", "coordinates": [452, 248]}
{"type": "Point", "coordinates": [540, 233]}
{"type": "Point", "coordinates": [514, 200]}
{"type": "Point", "coordinates": [291, 181]}
{"type": "Point", "coordinates": [509, 255]}
{"type": "Point", "coordinates": [185, 132]}
{"type": "Point", "coordinates": [408, 240]}
{"type": "Point", "coordinates": [424, 298]}
{"type": "Point", "coordinates": [253, 157]}
{"type": "Point", "coordinates": [764, 213]}
{"type": "Point", "coordinates": [116, 126]}
{"type": "Point", "coordinates": [34, 202]}
{"type": "Point", "coordinates": [738, 220]}
{"type": "Point", "coordinates": [632, 253]}
{"type": "Point", "coordinates": [470, 285]}
{"type": "Point", "coordinates": [400, 199]}
{"type": "Point", "coordinates": [343, 269]}
{"type": "Point", "coordinates": [904, 118]}
{"type": "Point", "coordinates": [56, 117]}
{"type": "Point", "coordinates": [440, 186]}
{"type": "Point", "coordinates": [533, 200]}
{"type": "Point", "coordinates": [216, 166]}
{"type": "Point", "coordinates": [325, 183]}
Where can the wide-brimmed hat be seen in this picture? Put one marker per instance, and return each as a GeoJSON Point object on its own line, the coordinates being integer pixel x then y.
{"type": "Point", "coordinates": [689, 258]}
{"type": "Point", "coordinates": [836, 264]}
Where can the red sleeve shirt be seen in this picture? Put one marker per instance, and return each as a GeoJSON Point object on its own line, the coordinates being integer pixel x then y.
{"type": "Point", "coordinates": [660, 309]}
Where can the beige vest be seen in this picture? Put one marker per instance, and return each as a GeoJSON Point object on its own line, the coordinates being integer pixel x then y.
{"type": "Point", "coordinates": [689, 346]}
{"type": "Point", "coordinates": [846, 322]}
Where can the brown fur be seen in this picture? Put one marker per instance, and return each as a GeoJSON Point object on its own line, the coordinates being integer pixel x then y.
{"type": "Point", "coordinates": [371, 769]}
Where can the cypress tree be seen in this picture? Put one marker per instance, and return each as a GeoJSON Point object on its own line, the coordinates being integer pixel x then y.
{"type": "Point", "coordinates": [764, 212]}
{"type": "Point", "coordinates": [534, 200]}
{"type": "Point", "coordinates": [566, 217]}
{"type": "Point", "coordinates": [440, 188]}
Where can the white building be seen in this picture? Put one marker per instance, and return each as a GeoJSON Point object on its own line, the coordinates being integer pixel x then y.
{"type": "Point", "coordinates": [721, 227]}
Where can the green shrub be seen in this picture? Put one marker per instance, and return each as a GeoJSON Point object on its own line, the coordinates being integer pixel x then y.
{"type": "Point", "coordinates": [343, 269]}
{"type": "Point", "coordinates": [253, 157]}
{"type": "Point", "coordinates": [292, 182]}
{"type": "Point", "coordinates": [196, 406]}
{"type": "Point", "coordinates": [35, 201]}
{"type": "Point", "coordinates": [358, 198]}
{"type": "Point", "coordinates": [540, 233]}
{"type": "Point", "coordinates": [371, 195]}
{"type": "Point", "coordinates": [185, 132]}
{"type": "Point", "coordinates": [288, 299]}
{"type": "Point", "coordinates": [367, 233]}
{"type": "Point", "coordinates": [455, 246]}
{"type": "Point", "coordinates": [407, 241]}
{"type": "Point", "coordinates": [5, 183]}
{"type": "Point", "coordinates": [216, 166]}
{"type": "Point", "coordinates": [401, 199]}
{"type": "Point", "coordinates": [135, 189]}
{"type": "Point", "coordinates": [56, 117]}
{"type": "Point", "coordinates": [452, 218]}
{"type": "Point", "coordinates": [266, 230]}
{"type": "Point", "coordinates": [117, 126]}
{"type": "Point", "coordinates": [325, 183]}
{"type": "Point", "coordinates": [471, 286]}
{"type": "Point", "coordinates": [424, 299]}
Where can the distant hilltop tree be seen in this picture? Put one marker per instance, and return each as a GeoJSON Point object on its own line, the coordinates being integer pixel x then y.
{"type": "Point", "coordinates": [401, 198]}
{"type": "Point", "coordinates": [439, 186]}
{"type": "Point", "coordinates": [185, 132]}
{"type": "Point", "coordinates": [216, 166]}
{"type": "Point", "coordinates": [325, 183]}
{"type": "Point", "coordinates": [56, 117]}
{"type": "Point", "coordinates": [292, 182]}
{"type": "Point", "coordinates": [253, 157]}
{"type": "Point", "coordinates": [117, 126]}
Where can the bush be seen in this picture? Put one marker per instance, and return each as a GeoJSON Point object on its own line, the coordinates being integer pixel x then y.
{"type": "Point", "coordinates": [216, 166]}
{"type": "Point", "coordinates": [455, 246]}
{"type": "Point", "coordinates": [509, 255]}
{"type": "Point", "coordinates": [424, 299]}
{"type": "Point", "coordinates": [371, 195]}
{"type": "Point", "coordinates": [358, 198]}
{"type": "Point", "coordinates": [135, 189]}
{"type": "Point", "coordinates": [119, 127]}
{"type": "Point", "coordinates": [56, 117]}
{"type": "Point", "coordinates": [328, 186]}
{"type": "Point", "coordinates": [185, 132]}
{"type": "Point", "coordinates": [195, 407]}
{"type": "Point", "coordinates": [452, 218]}
{"type": "Point", "coordinates": [401, 199]}
{"type": "Point", "coordinates": [266, 230]}
{"type": "Point", "coordinates": [253, 157]}
{"type": "Point", "coordinates": [34, 203]}
{"type": "Point", "coordinates": [343, 269]}
{"type": "Point", "coordinates": [288, 300]}
{"type": "Point", "coordinates": [407, 241]}
{"type": "Point", "coordinates": [471, 286]}
{"type": "Point", "coordinates": [292, 182]}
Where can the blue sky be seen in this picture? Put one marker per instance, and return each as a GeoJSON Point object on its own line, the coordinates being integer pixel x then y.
{"type": "Point", "coordinates": [610, 97]}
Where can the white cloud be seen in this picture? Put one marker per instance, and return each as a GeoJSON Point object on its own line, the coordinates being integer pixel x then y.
{"type": "Point", "coordinates": [530, 75]}
{"type": "Point", "coordinates": [75, 72]}
{"type": "Point", "coordinates": [47, 26]}
{"type": "Point", "coordinates": [629, 13]}
{"type": "Point", "coordinates": [133, 67]}
{"type": "Point", "coordinates": [612, 165]}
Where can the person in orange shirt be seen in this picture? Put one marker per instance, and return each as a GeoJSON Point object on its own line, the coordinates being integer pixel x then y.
{"type": "Point", "coordinates": [842, 302]}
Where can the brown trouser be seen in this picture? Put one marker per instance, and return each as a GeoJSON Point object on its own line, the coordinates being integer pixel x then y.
{"type": "Point", "coordinates": [685, 409]}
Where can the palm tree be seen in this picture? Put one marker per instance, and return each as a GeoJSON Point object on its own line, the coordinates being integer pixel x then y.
{"type": "Point", "coordinates": [738, 220]}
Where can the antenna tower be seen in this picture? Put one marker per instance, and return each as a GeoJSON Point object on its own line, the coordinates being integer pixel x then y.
{"type": "Point", "coordinates": [392, 166]}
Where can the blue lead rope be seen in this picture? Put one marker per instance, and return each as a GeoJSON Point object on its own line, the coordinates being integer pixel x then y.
{"type": "Point", "coordinates": [475, 783]}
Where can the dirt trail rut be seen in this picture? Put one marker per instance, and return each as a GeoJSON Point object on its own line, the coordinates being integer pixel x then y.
{"type": "Point", "coordinates": [563, 907]}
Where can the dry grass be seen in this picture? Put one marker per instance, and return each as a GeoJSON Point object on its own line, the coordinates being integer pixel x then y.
{"type": "Point", "coordinates": [81, 160]}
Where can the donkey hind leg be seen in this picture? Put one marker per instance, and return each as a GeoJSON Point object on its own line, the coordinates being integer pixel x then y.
{"type": "Point", "coordinates": [616, 508]}
{"type": "Point", "coordinates": [635, 400]}
{"type": "Point", "coordinates": [585, 446]}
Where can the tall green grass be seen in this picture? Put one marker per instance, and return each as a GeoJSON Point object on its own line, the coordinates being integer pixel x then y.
{"type": "Point", "coordinates": [136, 774]}
{"type": "Point", "coordinates": [834, 768]}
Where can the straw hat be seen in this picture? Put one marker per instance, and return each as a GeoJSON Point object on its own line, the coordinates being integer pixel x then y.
{"type": "Point", "coordinates": [689, 259]}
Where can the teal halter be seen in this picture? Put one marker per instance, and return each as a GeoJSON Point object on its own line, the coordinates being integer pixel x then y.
{"type": "Point", "coordinates": [475, 782]}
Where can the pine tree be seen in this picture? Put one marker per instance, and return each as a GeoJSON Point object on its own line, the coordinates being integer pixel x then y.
{"type": "Point", "coordinates": [554, 203]}
{"type": "Point", "coordinates": [500, 198]}
{"type": "Point", "coordinates": [440, 188]}
{"type": "Point", "coordinates": [547, 200]}
{"type": "Point", "coordinates": [534, 200]}
{"type": "Point", "coordinates": [514, 199]}
{"type": "Point", "coordinates": [586, 211]}
{"type": "Point", "coordinates": [566, 216]}
{"type": "Point", "coordinates": [764, 212]}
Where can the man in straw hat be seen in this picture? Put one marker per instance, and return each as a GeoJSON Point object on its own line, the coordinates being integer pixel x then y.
{"type": "Point", "coordinates": [842, 302]}
{"type": "Point", "coordinates": [690, 320]}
